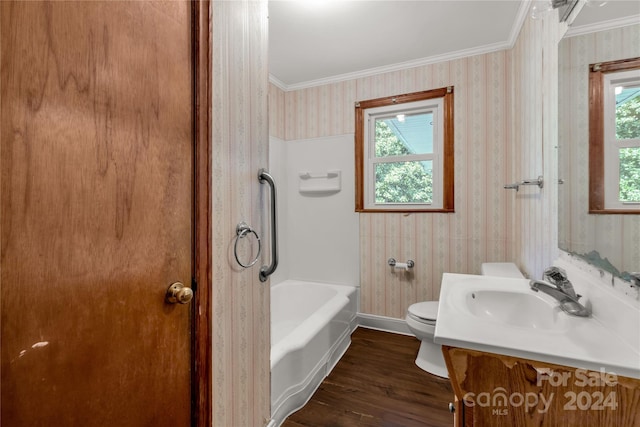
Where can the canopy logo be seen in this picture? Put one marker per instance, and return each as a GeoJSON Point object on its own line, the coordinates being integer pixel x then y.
{"type": "Point", "coordinates": [499, 400]}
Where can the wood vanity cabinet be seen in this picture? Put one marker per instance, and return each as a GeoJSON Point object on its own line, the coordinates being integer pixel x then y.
{"type": "Point", "coordinates": [497, 390]}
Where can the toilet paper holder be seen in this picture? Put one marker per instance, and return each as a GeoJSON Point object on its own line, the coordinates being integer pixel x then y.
{"type": "Point", "coordinates": [406, 265]}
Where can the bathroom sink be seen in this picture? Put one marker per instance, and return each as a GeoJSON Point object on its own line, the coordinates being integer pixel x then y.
{"type": "Point", "coordinates": [524, 310]}
{"type": "Point", "coordinates": [505, 316]}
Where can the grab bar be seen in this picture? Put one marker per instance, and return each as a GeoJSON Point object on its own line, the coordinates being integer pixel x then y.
{"type": "Point", "coordinates": [266, 271]}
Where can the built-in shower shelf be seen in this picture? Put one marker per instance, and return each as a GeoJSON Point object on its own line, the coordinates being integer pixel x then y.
{"type": "Point", "coordinates": [321, 183]}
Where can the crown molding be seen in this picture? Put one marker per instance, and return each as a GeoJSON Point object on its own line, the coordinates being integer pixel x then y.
{"type": "Point", "coordinates": [278, 83]}
{"type": "Point", "coordinates": [523, 13]}
{"type": "Point", "coordinates": [390, 68]}
{"type": "Point", "coordinates": [603, 26]}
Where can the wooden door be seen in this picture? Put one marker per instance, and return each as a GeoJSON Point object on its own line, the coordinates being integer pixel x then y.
{"type": "Point", "coordinates": [96, 219]}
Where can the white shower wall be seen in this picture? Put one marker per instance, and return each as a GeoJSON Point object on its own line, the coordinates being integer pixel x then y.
{"type": "Point", "coordinates": [318, 232]}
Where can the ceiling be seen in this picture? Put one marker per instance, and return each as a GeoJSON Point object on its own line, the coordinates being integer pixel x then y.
{"type": "Point", "coordinates": [314, 42]}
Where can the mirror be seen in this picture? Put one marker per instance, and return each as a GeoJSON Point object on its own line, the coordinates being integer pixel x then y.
{"type": "Point", "coordinates": [598, 34]}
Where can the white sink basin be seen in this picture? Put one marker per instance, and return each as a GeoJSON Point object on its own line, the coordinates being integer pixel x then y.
{"type": "Point", "coordinates": [523, 310]}
{"type": "Point", "coordinates": [504, 316]}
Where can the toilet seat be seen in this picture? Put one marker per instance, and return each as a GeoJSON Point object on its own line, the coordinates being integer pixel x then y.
{"type": "Point", "coordinates": [425, 312]}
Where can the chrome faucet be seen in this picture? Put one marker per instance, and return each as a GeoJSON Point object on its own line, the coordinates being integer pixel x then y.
{"type": "Point", "coordinates": [560, 288]}
{"type": "Point", "coordinates": [558, 277]}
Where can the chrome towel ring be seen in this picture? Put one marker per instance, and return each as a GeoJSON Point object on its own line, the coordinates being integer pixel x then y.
{"type": "Point", "coordinates": [242, 230]}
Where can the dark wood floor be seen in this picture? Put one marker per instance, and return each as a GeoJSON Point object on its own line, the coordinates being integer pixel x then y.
{"type": "Point", "coordinates": [376, 383]}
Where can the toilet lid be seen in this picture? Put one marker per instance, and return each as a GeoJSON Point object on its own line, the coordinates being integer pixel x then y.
{"type": "Point", "coordinates": [427, 310]}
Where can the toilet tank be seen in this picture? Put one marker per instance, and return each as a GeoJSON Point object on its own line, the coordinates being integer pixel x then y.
{"type": "Point", "coordinates": [501, 269]}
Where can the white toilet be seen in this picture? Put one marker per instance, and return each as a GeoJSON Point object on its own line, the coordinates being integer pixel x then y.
{"type": "Point", "coordinates": [421, 320]}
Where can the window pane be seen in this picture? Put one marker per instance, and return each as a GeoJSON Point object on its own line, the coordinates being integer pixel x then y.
{"type": "Point", "coordinates": [630, 174]}
{"type": "Point", "coordinates": [628, 112]}
{"type": "Point", "coordinates": [404, 182]}
{"type": "Point", "coordinates": [404, 134]}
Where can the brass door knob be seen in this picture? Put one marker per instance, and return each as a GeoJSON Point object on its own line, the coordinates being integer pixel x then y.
{"type": "Point", "coordinates": [178, 294]}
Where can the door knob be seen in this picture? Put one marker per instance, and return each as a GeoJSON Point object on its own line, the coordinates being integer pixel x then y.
{"type": "Point", "coordinates": [178, 294]}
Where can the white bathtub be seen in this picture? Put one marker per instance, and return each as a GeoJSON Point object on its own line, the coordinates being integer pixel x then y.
{"type": "Point", "coordinates": [311, 326]}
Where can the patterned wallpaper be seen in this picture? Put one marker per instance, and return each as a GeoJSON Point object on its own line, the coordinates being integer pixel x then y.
{"type": "Point", "coordinates": [616, 237]}
{"type": "Point", "coordinates": [480, 230]}
{"type": "Point", "coordinates": [241, 340]}
{"type": "Point", "coordinates": [505, 127]}
{"type": "Point", "coordinates": [499, 138]}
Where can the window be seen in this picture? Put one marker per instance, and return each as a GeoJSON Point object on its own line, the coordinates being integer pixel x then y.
{"type": "Point", "coordinates": [404, 153]}
{"type": "Point", "coordinates": [614, 137]}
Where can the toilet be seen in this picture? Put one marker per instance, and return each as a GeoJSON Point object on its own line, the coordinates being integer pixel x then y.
{"type": "Point", "coordinates": [422, 316]}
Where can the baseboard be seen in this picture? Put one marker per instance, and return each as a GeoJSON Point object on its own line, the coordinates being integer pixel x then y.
{"type": "Point", "coordinates": [383, 323]}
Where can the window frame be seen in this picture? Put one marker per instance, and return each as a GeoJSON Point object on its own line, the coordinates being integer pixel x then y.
{"type": "Point", "coordinates": [446, 155]}
{"type": "Point", "coordinates": [599, 171]}
{"type": "Point", "coordinates": [372, 115]}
